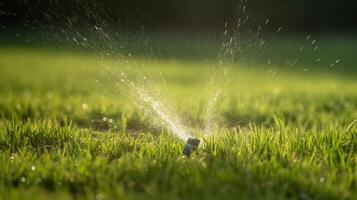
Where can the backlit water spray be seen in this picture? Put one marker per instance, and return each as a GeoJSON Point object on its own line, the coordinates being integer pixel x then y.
{"type": "Point", "coordinates": [145, 98]}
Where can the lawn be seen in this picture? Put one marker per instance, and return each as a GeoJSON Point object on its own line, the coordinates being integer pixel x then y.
{"type": "Point", "coordinates": [68, 130]}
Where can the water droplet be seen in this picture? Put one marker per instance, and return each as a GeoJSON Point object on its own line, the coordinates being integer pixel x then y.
{"type": "Point", "coordinates": [23, 179]}
{"type": "Point", "coordinates": [259, 28]}
{"type": "Point", "coordinates": [105, 119]}
{"type": "Point", "coordinates": [110, 120]}
{"type": "Point", "coordinates": [322, 179]}
{"type": "Point", "coordinates": [231, 40]}
{"type": "Point", "coordinates": [85, 106]}
{"type": "Point", "coordinates": [33, 167]}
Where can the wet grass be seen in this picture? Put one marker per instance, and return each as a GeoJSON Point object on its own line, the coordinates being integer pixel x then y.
{"type": "Point", "coordinates": [66, 131]}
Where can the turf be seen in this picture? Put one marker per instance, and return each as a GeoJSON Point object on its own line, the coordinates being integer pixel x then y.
{"type": "Point", "coordinates": [285, 132]}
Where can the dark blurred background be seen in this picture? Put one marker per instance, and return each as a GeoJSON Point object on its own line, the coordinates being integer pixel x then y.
{"type": "Point", "coordinates": [180, 15]}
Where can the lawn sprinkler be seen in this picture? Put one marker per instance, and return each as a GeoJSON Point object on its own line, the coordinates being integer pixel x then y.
{"type": "Point", "coordinates": [190, 146]}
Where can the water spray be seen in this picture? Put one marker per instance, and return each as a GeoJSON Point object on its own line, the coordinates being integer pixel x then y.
{"type": "Point", "coordinates": [158, 110]}
{"type": "Point", "coordinates": [190, 146]}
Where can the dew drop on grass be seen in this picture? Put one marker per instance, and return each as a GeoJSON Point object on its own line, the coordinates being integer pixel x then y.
{"type": "Point", "coordinates": [33, 167]}
{"type": "Point", "coordinates": [23, 179]}
{"type": "Point", "coordinates": [110, 120]}
{"type": "Point", "coordinates": [105, 119]}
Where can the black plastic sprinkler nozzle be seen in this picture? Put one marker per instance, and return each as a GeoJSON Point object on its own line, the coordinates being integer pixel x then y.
{"type": "Point", "coordinates": [190, 146]}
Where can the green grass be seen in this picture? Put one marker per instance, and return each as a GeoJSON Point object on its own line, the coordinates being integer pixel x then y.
{"type": "Point", "coordinates": [284, 132]}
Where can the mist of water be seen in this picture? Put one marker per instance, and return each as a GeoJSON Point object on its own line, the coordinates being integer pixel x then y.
{"type": "Point", "coordinates": [148, 99]}
{"type": "Point", "coordinates": [210, 118]}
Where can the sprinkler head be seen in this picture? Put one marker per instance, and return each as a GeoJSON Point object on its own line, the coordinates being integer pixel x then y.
{"type": "Point", "coordinates": [190, 146]}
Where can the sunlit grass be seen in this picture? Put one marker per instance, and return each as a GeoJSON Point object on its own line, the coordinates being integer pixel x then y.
{"type": "Point", "coordinates": [284, 133]}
